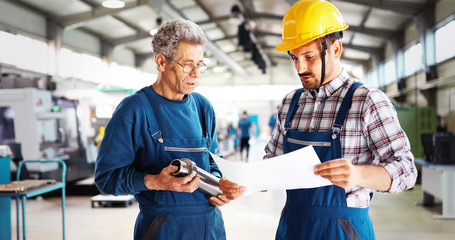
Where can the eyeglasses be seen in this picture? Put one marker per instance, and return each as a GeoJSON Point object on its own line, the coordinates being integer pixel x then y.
{"type": "Point", "coordinates": [189, 68]}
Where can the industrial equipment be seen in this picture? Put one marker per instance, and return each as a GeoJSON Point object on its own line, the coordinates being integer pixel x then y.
{"type": "Point", "coordinates": [46, 127]}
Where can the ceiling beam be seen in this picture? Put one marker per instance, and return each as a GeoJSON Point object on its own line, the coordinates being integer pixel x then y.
{"type": "Point", "coordinates": [406, 8]}
{"type": "Point", "coordinates": [380, 33]}
{"type": "Point", "coordinates": [249, 10]}
{"type": "Point", "coordinates": [216, 20]}
{"type": "Point", "coordinates": [140, 33]}
{"type": "Point", "coordinates": [27, 5]}
{"type": "Point", "coordinates": [362, 62]}
{"type": "Point", "coordinates": [170, 12]}
{"type": "Point", "coordinates": [371, 50]}
{"type": "Point", "coordinates": [78, 20]}
{"type": "Point", "coordinates": [230, 37]}
{"type": "Point", "coordinates": [362, 23]}
{"type": "Point", "coordinates": [375, 32]}
{"type": "Point", "coordinates": [124, 40]}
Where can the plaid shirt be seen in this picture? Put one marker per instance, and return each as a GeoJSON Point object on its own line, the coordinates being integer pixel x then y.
{"type": "Point", "coordinates": [371, 133]}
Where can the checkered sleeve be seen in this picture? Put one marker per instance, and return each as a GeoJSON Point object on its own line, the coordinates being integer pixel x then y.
{"type": "Point", "coordinates": [275, 145]}
{"type": "Point", "coordinates": [388, 141]}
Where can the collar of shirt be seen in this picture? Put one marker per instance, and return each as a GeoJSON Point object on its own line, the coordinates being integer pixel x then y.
{"type": "Point", "coordinates": [328, 89]}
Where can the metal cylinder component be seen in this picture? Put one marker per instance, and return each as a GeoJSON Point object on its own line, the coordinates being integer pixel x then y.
{"type": "Point", "coordinates": [185, 167]}
{"type": "Point", "coordinates": [208, 183]}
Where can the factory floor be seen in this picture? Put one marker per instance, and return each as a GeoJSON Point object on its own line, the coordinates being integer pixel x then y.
{"type": "Point", "coordinates": [394, 216]}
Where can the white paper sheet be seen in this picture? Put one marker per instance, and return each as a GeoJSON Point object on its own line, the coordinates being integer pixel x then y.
{"type": "Point", "coordinates": [289, 171]}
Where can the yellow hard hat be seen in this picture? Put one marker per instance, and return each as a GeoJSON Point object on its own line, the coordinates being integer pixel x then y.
{"type": "Point", "coordinates": [308, 20]}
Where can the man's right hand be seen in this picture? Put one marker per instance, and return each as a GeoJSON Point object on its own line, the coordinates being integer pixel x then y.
{"type": "Point", "coordinates": [165, 181]}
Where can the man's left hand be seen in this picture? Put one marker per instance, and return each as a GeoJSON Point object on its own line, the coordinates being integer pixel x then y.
{"type": "Point", "coordinates": [340, 172]}
{"type": "Point", "coordinates": [231, 191]}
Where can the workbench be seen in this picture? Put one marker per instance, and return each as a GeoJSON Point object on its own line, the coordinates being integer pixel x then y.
{"type": "Point", "coordinates": [438, 180]}
{"type": "Point", "coordinates": [21, 197]}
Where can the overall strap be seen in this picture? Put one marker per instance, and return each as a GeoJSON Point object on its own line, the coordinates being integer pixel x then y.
{"type": "Point", "coordinates": [152, 125]}
{"type": "Point", "coordinates": [292, 108]}
{"type": "Point", "coordinates": [344, 108]}
{"type": "Point", "coordinates": [204, 122]}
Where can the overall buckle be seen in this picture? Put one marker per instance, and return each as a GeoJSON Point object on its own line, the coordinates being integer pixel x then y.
{"type": "Point", "coordinates": [336, 130]}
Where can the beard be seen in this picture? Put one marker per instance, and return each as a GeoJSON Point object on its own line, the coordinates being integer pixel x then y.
{"type": "Point", "coordinates": [309, 81]}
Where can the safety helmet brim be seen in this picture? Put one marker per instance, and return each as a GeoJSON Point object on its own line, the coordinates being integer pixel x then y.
{"type": "Point", "coordinates": [308, 20]}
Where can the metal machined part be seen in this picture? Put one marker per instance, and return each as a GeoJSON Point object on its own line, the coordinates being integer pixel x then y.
{"type": "Point", "coordinates": [208, 183]}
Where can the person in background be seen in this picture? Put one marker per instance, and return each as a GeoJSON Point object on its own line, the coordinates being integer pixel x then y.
{"type": "Point", "coordinates": [244, 128]}
{"type": "Point", "coordinates": [160, 123]}
{"type": "Point", "coordinates": [272, 121]}
{"type": "Point", "coordinates": [353, 128]}
{"type": "Point", "coordinates": [232, 133]}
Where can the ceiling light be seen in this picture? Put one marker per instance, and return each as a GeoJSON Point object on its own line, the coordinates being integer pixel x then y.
{"type": "Point", "coordinates": [153, 31]}
{"type": "Point", "coordinates": [113, 3]}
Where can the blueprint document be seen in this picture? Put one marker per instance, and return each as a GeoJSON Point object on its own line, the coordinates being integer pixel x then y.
{"type": "Point", "coordinates": [289, 171]}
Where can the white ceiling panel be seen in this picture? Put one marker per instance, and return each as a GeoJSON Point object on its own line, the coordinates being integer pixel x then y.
{"type": "Point", "coordinates": [61, 8]}
{"type": "Point", "coordinates": [278, 8]}
{"type": "Point", "coordinates": [219, 8]}
{"type": "Point", "coordinates": [269, 25]}
{"type": "Point", "coordinates": [347, 35]}
{"type": "Point", "coordinates": [352, 53]}
{"type": "Point", "coordinates": [385, 19]}
{"type": "Point", "coordinates": [109, 27]}
{"type": "Point", "coordinates": [230, 27]}
{"type": "Point", "coordinates": [195, 14]}
{"type": "Point", "coordinates": [143, 16]}
{"type": "Point", "coordinates": [238, 56]}
{"type": "Point", "coordinates": [367, 40]}
{"type": "Point", "coordinates": [181, 4]}
{"type": "Point", "coordinates": [214, 34]}
{"type": "Point", "coordinates": [141, 46]}
{"type": "Point", "coordinates": [208, 26]}
{"type": "Point", "coordinates": [227, 46]}
{"type": "Point", "coordinates": [352, 13]}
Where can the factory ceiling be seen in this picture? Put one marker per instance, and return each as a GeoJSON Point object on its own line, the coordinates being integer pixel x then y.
{"type": "Point", "coordinates": [372, 24]}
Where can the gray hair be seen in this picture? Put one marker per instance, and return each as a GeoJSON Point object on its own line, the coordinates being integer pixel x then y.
{"type": "Point", "coordinates": [168, 37]}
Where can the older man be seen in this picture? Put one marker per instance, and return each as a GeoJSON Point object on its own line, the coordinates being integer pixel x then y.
{"type": "Point", "coordinates": [158, 124]}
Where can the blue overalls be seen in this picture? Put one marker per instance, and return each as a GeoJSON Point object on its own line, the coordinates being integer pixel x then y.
{"type": "Point", "coordinates": [176, 215]}
{"type": "Point", "coordinates": [321, 213]}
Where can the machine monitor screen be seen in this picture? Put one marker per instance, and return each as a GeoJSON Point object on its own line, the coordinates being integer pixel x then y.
{"type": "Point", "coordinates": [7, 134]}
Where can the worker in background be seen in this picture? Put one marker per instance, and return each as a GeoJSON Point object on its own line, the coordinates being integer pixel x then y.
{"type": "Point", "coordinates": [244, 128]}
{"type": "Point", "coordinates": [353, 128]}
{"type": "Point", "coordinates": [160, 123]}
{"type": "Point", "coordinates": [272, 120]}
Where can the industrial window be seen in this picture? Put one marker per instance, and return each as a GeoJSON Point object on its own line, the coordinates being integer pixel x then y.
{"type": "Point", "coordinates": [82, 66]}
{"type": "Point", "coordinates": [389, 69]}
{"type": "Point", "coordinates": [413, 61]}
{"type": "Point", "coordinates": [24, 52]}
{"type": "Point", "coordinates": [445, 46]}
{"type": "Point", "coordinates": [372, 79]}
{"type": "Point", "coordinates": [129, 77]}
{"type": "Point", "coordinates": [355, 71]}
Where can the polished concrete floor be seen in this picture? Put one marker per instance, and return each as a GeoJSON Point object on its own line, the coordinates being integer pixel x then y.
{"type": "Point", "coordinates": [394, 216]}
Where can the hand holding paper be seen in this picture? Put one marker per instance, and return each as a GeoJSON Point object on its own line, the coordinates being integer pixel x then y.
{"type": "Point", "coordinates": [231, 191]}
{"type": "Point", "coordinates": [289, 171]}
